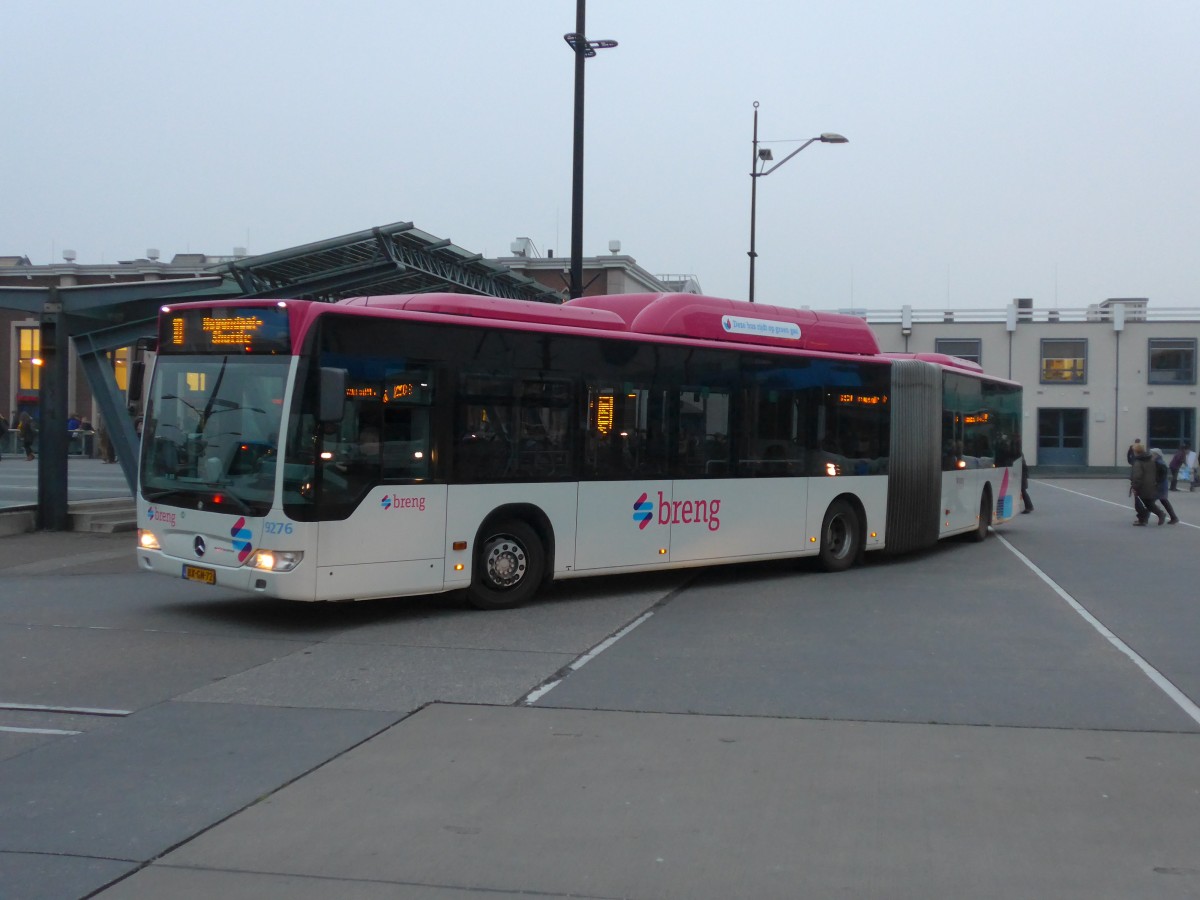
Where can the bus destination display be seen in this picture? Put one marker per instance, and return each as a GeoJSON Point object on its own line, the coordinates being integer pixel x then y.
{"type": "Point", "coordinates": [225, 330]}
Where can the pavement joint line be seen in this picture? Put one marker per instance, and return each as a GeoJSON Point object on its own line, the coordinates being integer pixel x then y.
{"type": "Point", "coordinates": [69, 710]}
{"type": "Point", "coordinates": [538, 693]}
{"type": "Point", "coordinates": [1181, 699]}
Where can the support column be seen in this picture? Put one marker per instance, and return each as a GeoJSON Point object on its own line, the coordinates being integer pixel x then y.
{"type": "Point", "coordinates": [52, 427]}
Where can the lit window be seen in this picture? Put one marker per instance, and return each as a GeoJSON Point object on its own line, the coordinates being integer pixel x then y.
{"type": "Point", "coordinates": [1064, 361]}
{"type": "Point", "coordinates": [29, 348]}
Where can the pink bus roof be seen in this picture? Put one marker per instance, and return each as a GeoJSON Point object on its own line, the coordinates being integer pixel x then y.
{"type": "Point", "coordinates": [669, 315]}
{"type": "Point", "coordinates": [942, 359]}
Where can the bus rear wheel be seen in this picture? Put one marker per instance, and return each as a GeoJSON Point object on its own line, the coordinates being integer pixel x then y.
{"type": "Point", "coordinates": [509, 564]}
{"type": "Point", "coordinates": [841, 537]}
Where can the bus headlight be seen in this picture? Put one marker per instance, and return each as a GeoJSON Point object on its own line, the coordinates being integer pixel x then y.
{"type": "Point", "coordinates": [276, 560]}
{"type": "Point", "coordinates": [147, 540]}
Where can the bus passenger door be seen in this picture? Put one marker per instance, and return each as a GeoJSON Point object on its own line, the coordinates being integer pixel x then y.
{"type": "Point", "coordinates": [392, 545]}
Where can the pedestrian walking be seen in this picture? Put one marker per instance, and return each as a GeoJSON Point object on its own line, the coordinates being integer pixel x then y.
{"type": "Point", "coordinates": [1177, 462]}
{"type": "Point", "coordinates": [107, 451]}
{"type": "Point", "coordinates": [1162, 475]}
{"type": "Point", "coordinates": [28, 429]}
{"type": "Point", "coordinates": [1143, 484]}
{"type": "Point", "coordinates": [1026, 503]}
{"type": "Point", "coordinates": [1131, 453]}
{"type": "Point", "coordinates": [1191, 465]}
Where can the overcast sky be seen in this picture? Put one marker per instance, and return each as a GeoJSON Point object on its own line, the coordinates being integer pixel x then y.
{"type": "Point", "coordinates": [1017, 148]}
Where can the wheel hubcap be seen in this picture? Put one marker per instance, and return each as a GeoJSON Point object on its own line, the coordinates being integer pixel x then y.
{"type": "Point", "coordinates": [838, 537]}
{"type": "Point", "coordinates": [505, 561]}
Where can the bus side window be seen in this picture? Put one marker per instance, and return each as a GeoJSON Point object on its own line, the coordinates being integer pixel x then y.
{"type": "Point", "coordinates": [483, 445]}
{"type": "Point", "coordinates": [626, 434]}
{"type": "Point", "coordinates": [406, 437]}
{"type": "Point", "coordinates": [703, 426]}
{"type": "Point", "coordinates": [406, 444]}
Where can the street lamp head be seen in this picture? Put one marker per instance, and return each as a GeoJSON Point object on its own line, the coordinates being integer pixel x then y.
{"type": "Point", "coordinates": [830, 138]}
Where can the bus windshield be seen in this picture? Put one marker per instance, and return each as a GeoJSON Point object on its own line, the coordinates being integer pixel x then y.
{"type": "Point", "coordinates": [211, 433]}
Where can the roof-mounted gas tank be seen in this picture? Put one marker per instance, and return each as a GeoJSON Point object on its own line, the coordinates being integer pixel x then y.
{"type": "Point", "coordinates": [735, 321]}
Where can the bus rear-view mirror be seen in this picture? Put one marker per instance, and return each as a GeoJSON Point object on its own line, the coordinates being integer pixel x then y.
{"type": "Point", "coordinates": [331, 403]}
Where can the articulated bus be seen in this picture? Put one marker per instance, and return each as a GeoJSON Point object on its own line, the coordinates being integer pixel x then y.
{"type": "Point", "coordinates": [401, 445]}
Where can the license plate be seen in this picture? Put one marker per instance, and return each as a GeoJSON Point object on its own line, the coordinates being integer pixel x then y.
{"type": "Point", "coordinates": [200, 573]}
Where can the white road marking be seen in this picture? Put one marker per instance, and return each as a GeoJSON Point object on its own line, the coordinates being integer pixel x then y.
{"type": "Point", "coordinates": [1126, 505]}
{"type": "Point", "coordinates": [1181, 699]}
{"type": "Point", "coordinates": [14, 730]}
{"type": "Point", "coordinates": [538, 693]}
{"type": "Point", "coordinates": [73, 710]}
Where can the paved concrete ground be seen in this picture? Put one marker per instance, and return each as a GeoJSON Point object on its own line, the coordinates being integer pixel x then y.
{"type": "Point", "coordinates": [945, 724]}
{"type": "Point", "coordinates": [87, 479]}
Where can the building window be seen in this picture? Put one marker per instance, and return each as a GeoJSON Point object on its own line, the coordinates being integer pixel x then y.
{"type": "Point", "coordinates": [1168, 427]}
{"type": "Point", "coordinates": [119, 360]}
{"type": "Point", "coordinates": [1172, 361]}
{"type": "Point", "coordinates": [29, 363]}
{"type": "Point", "coordinates": [1064, 361]}
{"type": "Point", "coordinates": [964, 348]}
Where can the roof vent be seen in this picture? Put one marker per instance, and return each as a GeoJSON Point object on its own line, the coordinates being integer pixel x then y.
{"type": "Point", "coordinates": [523, 246]}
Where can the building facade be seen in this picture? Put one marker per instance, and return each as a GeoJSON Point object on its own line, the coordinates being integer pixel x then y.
{"type": "Point", "coordinates": [1094, 378]}
{"type": "Point", "coordinates": [20, 334]}
{"type": "Point", "coordinates": [612, 274]}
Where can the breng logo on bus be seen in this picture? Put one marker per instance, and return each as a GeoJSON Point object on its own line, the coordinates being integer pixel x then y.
{"type": "Point", "coordinates": [241, 539]}
{"type": "Point", "coordinates": [154, 514]}
{"type": "Point", "coordinates": [391, 501]}
{"type": "Point", "coordinates": [677, 512]}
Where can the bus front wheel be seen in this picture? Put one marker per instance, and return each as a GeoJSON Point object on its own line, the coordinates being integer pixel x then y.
{"type": "Point", "coordinates": [509, 565]}
{"type": "Point", "coordinates": [841, 537]}
{"type": "Point", "coordinates": [985, 518]}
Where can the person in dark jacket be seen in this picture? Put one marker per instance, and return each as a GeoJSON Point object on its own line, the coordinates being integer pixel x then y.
{"type": "Point", "coordinates": [1026, 503]}
{"type": "Point", "coordinates": [1143, 484]}
{"type": "Point", "coordinates": [1139, 508]}
{"type": "Point", "coordinates": [1162, 476]}
{"type": "Point", "coordinates": [28, 429]}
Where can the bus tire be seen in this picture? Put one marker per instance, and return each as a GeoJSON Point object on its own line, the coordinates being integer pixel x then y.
{"type": "Point", "coordinates": [841, 537]}
{"type": "Point", "coordinates": [985, 517]}
{"type": "Point", "coordinates": [510, 563]}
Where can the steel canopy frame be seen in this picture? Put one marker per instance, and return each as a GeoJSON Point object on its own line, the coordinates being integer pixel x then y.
{"type": "Point", "coordinates": [392, 259]}
{"type": "Point", "coordinates": [98, 319]}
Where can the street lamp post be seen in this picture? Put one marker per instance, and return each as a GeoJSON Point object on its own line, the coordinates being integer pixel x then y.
{"type": "Point", "coordinates": [583, 48]}
{"type": "Point", "coordinates": [765, 156]}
